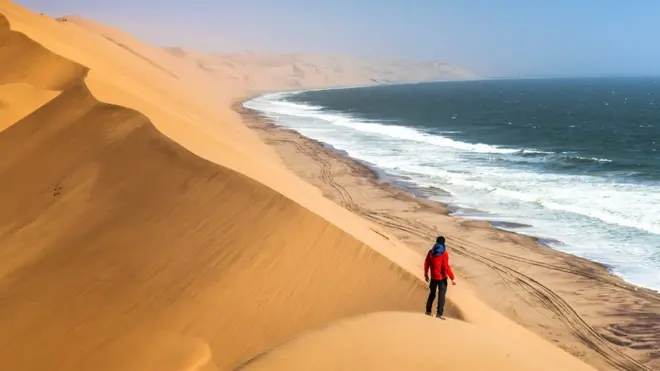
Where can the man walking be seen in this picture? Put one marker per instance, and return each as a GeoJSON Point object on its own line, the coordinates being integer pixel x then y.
{"type": "Point", "coordinates": [437, 261]}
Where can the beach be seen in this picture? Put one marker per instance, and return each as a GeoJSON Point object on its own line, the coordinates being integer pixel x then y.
{"type": "Point", "coordinates": [557, 295]}
{"type": "Point", "coordinates": [150, 223]}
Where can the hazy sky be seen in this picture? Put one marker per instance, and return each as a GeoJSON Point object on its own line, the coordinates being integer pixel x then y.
{"type": "Point", "coordinates": [492, 38]}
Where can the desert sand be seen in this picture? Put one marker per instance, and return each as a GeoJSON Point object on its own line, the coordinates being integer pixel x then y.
{"type": "Point", "coordinates": [392, 341]}
{"type": "Point", "coordinates": [145, 227]}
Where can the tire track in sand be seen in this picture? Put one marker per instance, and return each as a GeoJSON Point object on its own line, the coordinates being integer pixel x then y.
{"type": "Point", "coordinates": [325, 167]}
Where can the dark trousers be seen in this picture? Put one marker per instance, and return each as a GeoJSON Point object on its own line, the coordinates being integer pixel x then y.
{"type": "Point", "coordinates": [441, 287]}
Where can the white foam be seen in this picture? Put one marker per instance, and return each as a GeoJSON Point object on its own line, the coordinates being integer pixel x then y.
{"type": "Point", "coordinates": [394, 131]}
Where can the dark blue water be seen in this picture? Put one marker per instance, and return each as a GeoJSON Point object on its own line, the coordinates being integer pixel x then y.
{"type": "Point", "coordinates": [578, 159]}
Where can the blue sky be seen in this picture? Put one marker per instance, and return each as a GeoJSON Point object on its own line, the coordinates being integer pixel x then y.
{"type": "Point", "coordinates": [492, 38]}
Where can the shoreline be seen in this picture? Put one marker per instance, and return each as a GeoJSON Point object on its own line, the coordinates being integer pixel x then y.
{"type": "Point", "coordinates": [392, 183]}
{"type": "Point", "coordinates": [578, 283]}
{"type": "Point", "coordinates": [381, 176]}
{"type": "Point", "coordinates": [426, 193]}
{"type": "Point", "coordinates": [501, 222]}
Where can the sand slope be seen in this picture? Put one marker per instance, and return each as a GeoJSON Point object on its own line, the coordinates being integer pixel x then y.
{"type": "Point", "coordinates": [123, 249]}
{"type": "Point", "coordinates": [404, 341]}
{"type": "Point", "coordinates": [112, 231]}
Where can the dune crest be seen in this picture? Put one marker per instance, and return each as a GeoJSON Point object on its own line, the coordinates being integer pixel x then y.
{"type": "Point", "coordinates": [143, 227]}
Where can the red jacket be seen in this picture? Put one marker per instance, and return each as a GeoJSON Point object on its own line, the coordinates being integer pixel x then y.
{"type": "Point", "coordinates": [439, 266]}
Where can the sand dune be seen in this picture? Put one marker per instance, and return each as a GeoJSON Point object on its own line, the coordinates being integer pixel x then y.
{"type": "Point", "coordinates": [144, 228]}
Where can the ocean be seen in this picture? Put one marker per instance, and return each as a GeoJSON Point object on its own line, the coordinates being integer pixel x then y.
{"type": "Point", "coordinates": [575, 162]}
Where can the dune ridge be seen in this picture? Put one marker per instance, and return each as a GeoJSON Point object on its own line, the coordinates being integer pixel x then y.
{"type": "Point", "coordinates": [123, 248]}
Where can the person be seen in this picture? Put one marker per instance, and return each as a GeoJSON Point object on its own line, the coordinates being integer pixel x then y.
{"type": "Point", "coordinates": [437, 262]}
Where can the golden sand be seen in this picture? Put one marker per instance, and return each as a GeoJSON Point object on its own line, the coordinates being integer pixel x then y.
{"type": "Point", "coordinates": [144, 227]}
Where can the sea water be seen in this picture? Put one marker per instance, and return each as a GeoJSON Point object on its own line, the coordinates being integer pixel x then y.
{"type": "Point", "coordinates": [574, 161]}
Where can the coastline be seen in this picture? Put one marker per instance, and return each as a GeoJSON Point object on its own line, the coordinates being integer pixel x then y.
{"type": "Point", "coordinates": [621, 241]}
{"type": "Point", "coordinates": [556, 295]}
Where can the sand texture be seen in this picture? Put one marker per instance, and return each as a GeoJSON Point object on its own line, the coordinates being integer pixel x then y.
{"type": "Point", "coordinates": [144, 227]}
{"type": "Point", "coordinates": [394, 341]}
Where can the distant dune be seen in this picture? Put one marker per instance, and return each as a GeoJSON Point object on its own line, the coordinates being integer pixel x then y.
{"type": "Point", "coordinates": [254, 71]}
{"type": "Point", "coordinates": [143, 227]}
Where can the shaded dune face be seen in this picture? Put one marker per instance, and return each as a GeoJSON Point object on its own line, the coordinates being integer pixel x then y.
{"type": "Point", "coordinates": [121, 250]}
